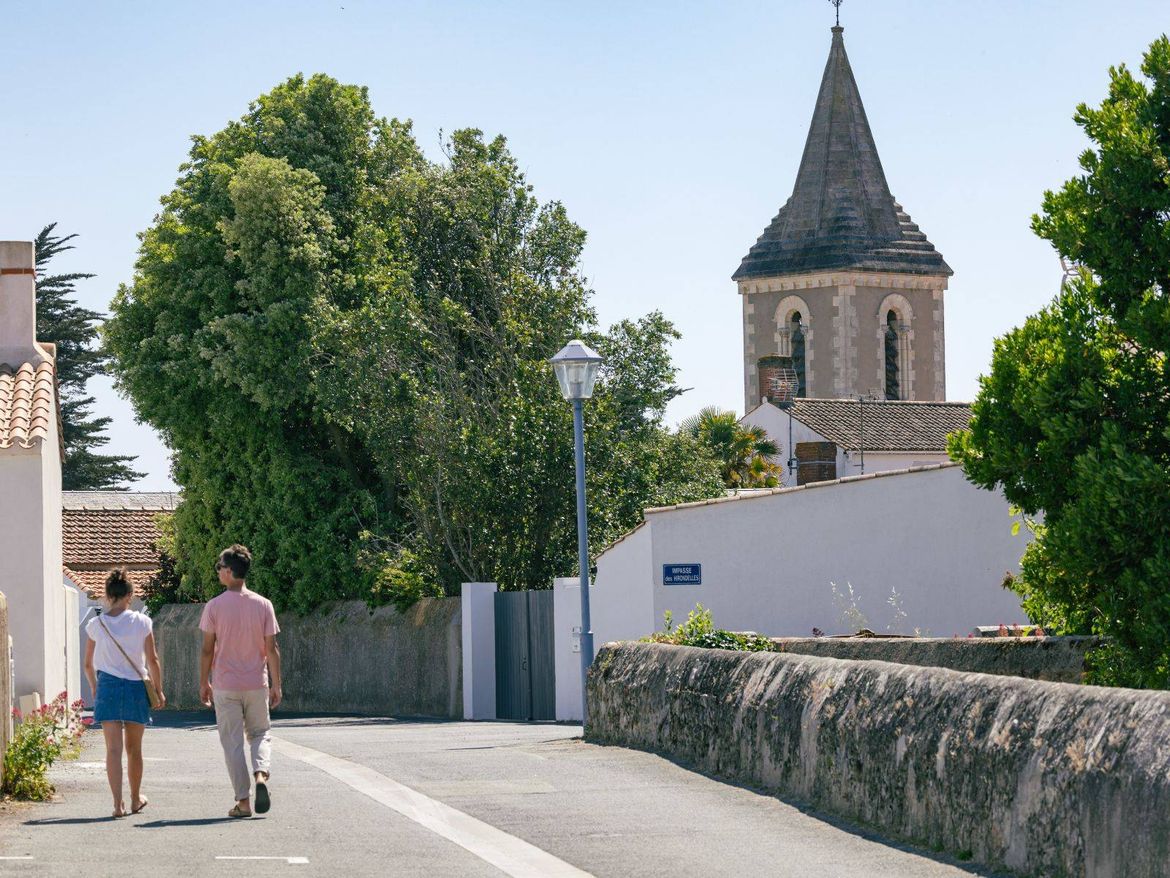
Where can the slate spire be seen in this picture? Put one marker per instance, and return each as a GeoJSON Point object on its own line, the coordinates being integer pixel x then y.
{"type": "Point", "coordinates": [841, 214]}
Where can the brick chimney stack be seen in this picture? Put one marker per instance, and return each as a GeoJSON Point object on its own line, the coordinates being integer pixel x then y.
{"type": "Point", "coordinates": [18, 306]}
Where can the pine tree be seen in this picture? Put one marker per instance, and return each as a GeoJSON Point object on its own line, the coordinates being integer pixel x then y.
{"type": "Point", "coordinates": [74, 331]}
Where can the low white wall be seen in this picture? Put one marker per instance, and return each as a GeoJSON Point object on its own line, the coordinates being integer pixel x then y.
{"type": "Point", "coordinates": [622, 600]}
{"type": "Point", "coordinates": [768, 561]}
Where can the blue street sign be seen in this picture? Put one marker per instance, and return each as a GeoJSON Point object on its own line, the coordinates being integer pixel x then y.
{"type": "Point", "coordinates": [682, 574]}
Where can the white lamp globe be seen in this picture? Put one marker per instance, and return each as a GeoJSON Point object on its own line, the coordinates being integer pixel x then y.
{"type": "Point", "coordinates": [576, 365]}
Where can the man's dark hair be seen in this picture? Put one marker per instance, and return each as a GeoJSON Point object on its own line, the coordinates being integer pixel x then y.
{"type": "Point", "coordinates": [238, 559]}
{"type": "Point", "coordinates": [118, 584]}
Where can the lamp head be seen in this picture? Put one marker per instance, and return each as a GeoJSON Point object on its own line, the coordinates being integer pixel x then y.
{"type": "Point", "coordinates": [576, 365]}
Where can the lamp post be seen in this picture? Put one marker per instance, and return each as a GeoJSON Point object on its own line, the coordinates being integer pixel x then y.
{"type": "Point", "coordinates": [576, 366]}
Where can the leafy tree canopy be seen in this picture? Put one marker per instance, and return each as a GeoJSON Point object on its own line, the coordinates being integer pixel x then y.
{"type": "Point", "coordinates": [74, 330]}
{"type": "Point", "coordinates": [1073, 421]}
{"type": "Point", "coordinates": [345, 344]}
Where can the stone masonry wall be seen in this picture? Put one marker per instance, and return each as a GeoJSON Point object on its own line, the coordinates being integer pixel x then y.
{"type": "Point", "coordinates": [1045, 779]}
{"type": "Point", "coordinates": [1057, 659]}
{"type": "Point", "coordinates": [341, 658]}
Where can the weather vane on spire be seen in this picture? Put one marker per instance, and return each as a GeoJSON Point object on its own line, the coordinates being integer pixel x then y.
{"type": "Point", "coordinates": [837, 6]}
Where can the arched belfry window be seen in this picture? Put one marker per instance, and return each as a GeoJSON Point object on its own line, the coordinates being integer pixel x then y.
{"type": "Point", "coordinates": [794, 340]}
{"type": "Point", "coordinates": [798, 364]}
{"type": "Point", "coordinates": [893, 382]}
{"type": "Point", "coordinates": [895, 359]}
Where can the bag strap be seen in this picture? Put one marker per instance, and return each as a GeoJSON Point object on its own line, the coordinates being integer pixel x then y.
{"type": "Point", "coordinates": [102, 622]}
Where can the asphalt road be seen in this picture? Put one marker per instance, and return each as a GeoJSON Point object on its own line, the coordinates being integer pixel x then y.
{"type": "Point", "coordinates": [354, 796]}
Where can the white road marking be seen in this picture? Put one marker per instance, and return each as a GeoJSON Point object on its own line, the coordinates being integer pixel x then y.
{"type": "Point", "coordinates": [509, 854]}
{"type": "Point", "coordinates": [15, 858]}
{"type": "Point", "coordinates": [292, 861]}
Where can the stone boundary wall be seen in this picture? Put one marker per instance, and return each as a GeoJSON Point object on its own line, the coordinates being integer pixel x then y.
{"type": "Point", "coordinates": [1044, 779]}
{"type": "Point", "coordinates": [5, 684]}
{"type": "Point", "coordinates": [1057, 659]}
{"type": "Point", "coordinates": [341, 658]}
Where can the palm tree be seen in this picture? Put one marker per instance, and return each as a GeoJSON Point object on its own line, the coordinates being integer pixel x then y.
{"type": "Point", "coordinates": [744, 452]}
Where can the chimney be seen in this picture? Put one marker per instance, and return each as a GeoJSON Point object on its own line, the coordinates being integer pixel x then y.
{"type": "Point", "coordinates": [816, 462]}
{"type": "Point", "coordinates": [18, 305]}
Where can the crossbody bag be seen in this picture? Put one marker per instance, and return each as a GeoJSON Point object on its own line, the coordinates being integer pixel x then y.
{"type": "Point", "coordinates": [152, 693]}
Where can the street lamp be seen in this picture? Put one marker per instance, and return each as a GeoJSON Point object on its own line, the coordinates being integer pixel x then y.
{"type": "Point", "coordinates": [576, 366]}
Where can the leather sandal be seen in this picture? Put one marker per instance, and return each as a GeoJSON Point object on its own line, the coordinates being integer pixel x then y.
{"type": "Point", "coordinates": [238, 812]}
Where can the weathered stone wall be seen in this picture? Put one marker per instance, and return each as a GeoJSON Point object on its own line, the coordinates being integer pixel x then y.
{"type": "Point", "coordinates": [341, 658]}
{"type": "Point", "coordinates": [1045, 779]}
{"type": "Point", "coordinates": [1057, 659]}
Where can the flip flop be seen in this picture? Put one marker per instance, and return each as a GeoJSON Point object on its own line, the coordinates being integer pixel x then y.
{"type": "Point", "coordinates": [142, 803]}
{"type": "Point", "coordinates": [263, 800]}
{"type": "Point", "coordinates": [238, 812]}
{"type": "Point", "coordinates": [119, 814]}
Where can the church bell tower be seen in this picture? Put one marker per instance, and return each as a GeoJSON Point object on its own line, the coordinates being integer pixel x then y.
{"type": "Point", "coordinates": [842, 287]}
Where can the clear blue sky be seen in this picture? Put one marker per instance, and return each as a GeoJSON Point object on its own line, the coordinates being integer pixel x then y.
{"type": "Point", "coordinates": [671, 131]}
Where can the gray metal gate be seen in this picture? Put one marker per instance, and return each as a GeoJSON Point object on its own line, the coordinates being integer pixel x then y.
{"type": "Point", "coordinates": [525, 673]}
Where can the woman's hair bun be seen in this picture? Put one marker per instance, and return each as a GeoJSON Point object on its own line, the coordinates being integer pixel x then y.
{"type": "Point", "coordinates": [118, 584]}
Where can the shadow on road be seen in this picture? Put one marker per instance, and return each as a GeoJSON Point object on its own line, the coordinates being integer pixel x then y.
{"type": "Point", "coordinates": [194, 821]}
{"type": "Point", "coordinates": [65, 821]}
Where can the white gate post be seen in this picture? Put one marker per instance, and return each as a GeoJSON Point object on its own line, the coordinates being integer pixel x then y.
{"type": "Point", "coordinates": [567, 647]}
{"type": "Point", "coordinates": [479, 650]}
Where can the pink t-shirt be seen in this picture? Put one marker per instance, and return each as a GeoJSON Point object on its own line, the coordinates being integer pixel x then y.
{"type": "Point", "coordinates": [240, 620]}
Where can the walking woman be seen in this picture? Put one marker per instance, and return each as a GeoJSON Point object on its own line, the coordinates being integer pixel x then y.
{"type": "Point", "coordinates": [119, 653]}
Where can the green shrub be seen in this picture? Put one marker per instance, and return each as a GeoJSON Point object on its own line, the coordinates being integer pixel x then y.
{"type": "Point", "coordinates": [699, 630]}
{"type": "Point", "coordinates": [405, 578]}
{"type": "Point", "coordinates": [50, 733]}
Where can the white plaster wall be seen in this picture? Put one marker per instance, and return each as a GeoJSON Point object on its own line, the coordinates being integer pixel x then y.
{"type": "Point", "coordinates": [768, 561]}
{"type": "Point", "coordinates": [849, 462]}
{"type": "Point", "coordinates": [567, 645]}
{"type": "Point", "coordinates": [22, 566]}
{"type": "Point", "coordinates": [621, 605]}
{"type": "Point", "coordinates": [58, 623]}
{"type": "Point", "coordinates": [74, 600]}
{"type": "Point", "coordinates": [478, 624]}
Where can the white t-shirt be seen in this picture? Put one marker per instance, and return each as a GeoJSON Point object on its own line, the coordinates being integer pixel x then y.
{"type": "Point", "coordinates": [130, 628]}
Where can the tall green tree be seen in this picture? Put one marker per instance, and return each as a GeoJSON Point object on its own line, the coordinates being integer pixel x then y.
{"type": "Point", "coordinates": [744, 452]}
{"type": "Point", "coordinates": [1073, 421]}
{"type": "Point", "coordinates": [74, 330]}
{"type": "Point", "coordinates": [345, 344]}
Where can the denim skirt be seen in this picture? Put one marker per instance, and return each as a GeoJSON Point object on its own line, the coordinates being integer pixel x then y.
{"type": "Point", "coordinates": [120, 700]}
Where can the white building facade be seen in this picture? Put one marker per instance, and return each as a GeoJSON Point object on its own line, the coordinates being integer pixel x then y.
{"type": "Point", "coordinates": [923, 550]}
{"type": "Point", "coordinates": [30, 488]}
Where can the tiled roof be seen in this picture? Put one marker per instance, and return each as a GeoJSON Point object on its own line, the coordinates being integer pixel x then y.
{"type": "Point", "coordinates": [94, 581]}
{"type": "Point", "coordinates": [110, 537]}
{"type": "Point", "coordinates": [889, 426]}
{"type": "Point", "coordinates": [841, 214]}
{"type": "Point", "coordinates": [162, 501]}
{"type": "Point", "coordinates": [98, 535]}
{"type": "Point", "coordinates": [27, 404]}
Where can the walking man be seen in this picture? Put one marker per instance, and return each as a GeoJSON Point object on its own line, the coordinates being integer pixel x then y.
{"type": "Point", "coordinates": [239, 671]}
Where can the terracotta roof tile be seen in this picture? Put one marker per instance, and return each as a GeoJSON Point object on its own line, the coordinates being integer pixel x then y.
{"type": "Point", "coordinates": [108, 537]}
{"type": "Point", "coordinates": [889, 425]}
{"type": "Point", "coordinates": [94, 581]}
{"type": "Point", "coordinates": [27, 404]}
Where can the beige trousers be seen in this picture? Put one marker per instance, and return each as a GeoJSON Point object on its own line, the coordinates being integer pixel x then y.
{"type": "Point", "coordinates": [240, 713]}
